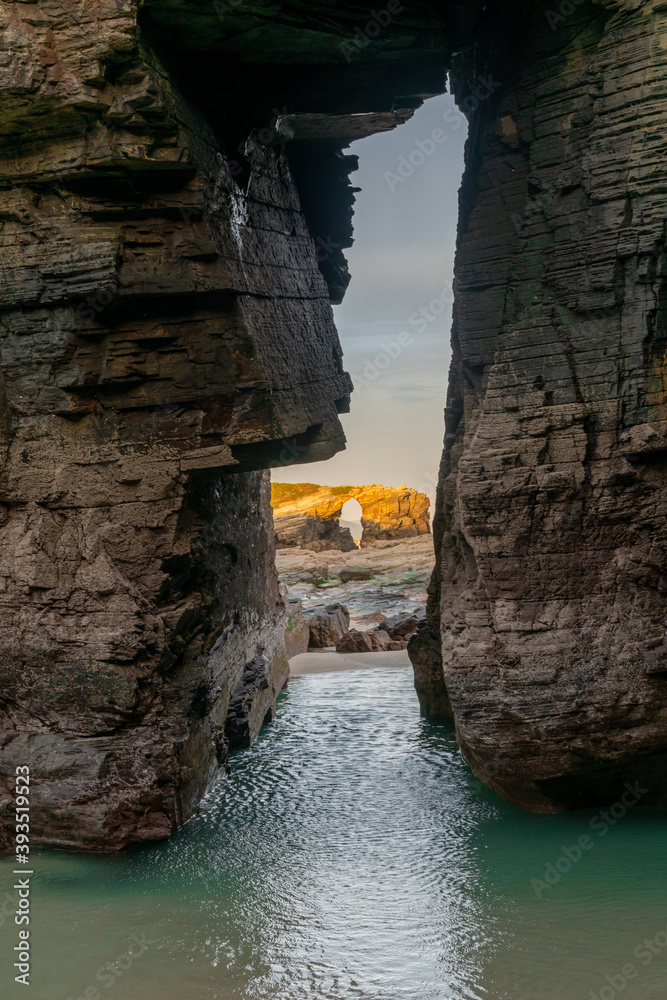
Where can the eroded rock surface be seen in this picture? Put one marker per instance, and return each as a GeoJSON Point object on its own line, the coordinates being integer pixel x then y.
{"type": "Point", "coordinates": [172, 227]}
{"type": "Point", "coordinates": [327, 624]}
{"type": "Point", "coordinates": [307, 516]}
{"type": "Point", "coordinates": [297, 631]}
{"type": "Point", "coordinates": [390, 634]}
{"type": "Point", "coordinates": [175, 203]}
{"type": "Point", "coordinates": [550, 527]}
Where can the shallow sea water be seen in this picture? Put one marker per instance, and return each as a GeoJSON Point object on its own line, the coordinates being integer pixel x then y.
{"type": "Point", "coordinates": [350, 853]}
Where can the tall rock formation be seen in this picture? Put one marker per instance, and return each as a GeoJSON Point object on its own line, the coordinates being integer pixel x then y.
{"type": "Point", "coordinates": [175, 203]}
{"type": "Point", "coordinates": [166, 333]}
{"type": "Point", "coordinates": [550, 525]}
{"type": "Point", "coordinates": [307, 516]}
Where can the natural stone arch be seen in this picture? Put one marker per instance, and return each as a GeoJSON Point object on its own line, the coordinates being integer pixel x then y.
{"type": "Point", "coordinates": [175, 216]}
{"type": "Point", "coordinates": [352, 512]}
{"type": "Point", "coordinates": [307, 516]}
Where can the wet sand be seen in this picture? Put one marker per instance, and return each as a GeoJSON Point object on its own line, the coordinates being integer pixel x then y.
{"type": "Point", "coordinates": [327, 662]}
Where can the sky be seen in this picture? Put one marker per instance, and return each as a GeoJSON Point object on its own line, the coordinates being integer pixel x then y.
{"type": "Point", "coordinates": [401, 263]}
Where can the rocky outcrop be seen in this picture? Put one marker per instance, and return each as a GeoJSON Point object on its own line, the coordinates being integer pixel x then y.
{"type": "Point", "coordinates": [124, 733]}
{"type": "Point", "coordinates": [327, 624]}
{"type": "Point", "coordinates": [356, 641]}
{"type": "Point", "coordinates": [400, 627]}
{"type": "Point", "coordinates": [549, 529]}
{"type": "Point", "coordinates": [425, 651]}
{"type": "Point", "coordinates": [175, 203]}
{"type": "Point", "coordinates": [390, 634]}
{"type": "Point", "coordinates": [391, 513]}
{"type": "Point", "coordinates": [376, 641]}
{"type": "Point", "coordinates": [142, 354]}
{"type": "Point", "coordinates": [172, 236]}
{"type": "Point", "coordinates": [307, 516]}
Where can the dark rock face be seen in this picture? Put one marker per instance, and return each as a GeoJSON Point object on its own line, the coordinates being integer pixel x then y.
{"type": "Point", "coordinates": [550, 528]}
{"type": "Point", "coordinates": [172, 235]}
{"type": "Point", "coordinates": [174, 203]}
{"type": "Point", "coordinates": [253, 701]}
{"type": "Point", "coordinates": [312, 532]}
{"type": "Point", "coordinates": [425, 651]}
{"type": "Point", "coordinates": [147, 307]}
{"type": "Point", "coordinates": [131, 728]}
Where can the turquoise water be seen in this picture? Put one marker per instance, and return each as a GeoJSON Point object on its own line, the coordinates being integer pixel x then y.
{"type": "Point", "coordinates": [351, 854]}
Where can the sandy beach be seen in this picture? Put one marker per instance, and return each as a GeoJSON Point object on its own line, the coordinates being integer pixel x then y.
{"type": "Point", "coordinates": [327, 661]}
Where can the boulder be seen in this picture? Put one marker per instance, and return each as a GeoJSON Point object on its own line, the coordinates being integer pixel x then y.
{"type": "Point", "coordinates": [348, 575]}
{"type": "Point", "coordinates": [401, 627]}
{"type": "Point", "coordinates": [327, 624]}
{"type": "Point", "coordinates": [355, 642]}
{"type": "Point", "coordinates": [376, 641]}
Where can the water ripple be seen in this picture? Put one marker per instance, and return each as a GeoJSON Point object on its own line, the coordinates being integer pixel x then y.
{"type": "Point", "coordinates": [351, 854]}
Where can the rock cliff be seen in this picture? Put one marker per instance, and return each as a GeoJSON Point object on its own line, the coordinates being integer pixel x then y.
{"type": "Point", "coordinates": [166, 333]}
{"type": "Point", "coordinates": [550, 529]}
{"type": "Point", "coordinates": [174, 206]}
{"type": "Point", "coordinates": [307, 516]}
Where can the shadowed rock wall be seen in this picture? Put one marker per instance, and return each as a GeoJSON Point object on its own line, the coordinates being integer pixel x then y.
{"type": "Point", "coordinates": [550, 529]}
{"type": "Point", "coordinates": [157, 324]}
{"type": "Point", "coordinates": [165, 333]}
{"type": "Point", "coordinates": [174, 204]}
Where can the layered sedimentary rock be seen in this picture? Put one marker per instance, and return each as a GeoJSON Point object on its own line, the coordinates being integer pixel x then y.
{"type": "Point", "coordinates": [307, 516]}
{"type": "Point", "coordinates": [165, 334]}
{"type": "Point", "coordinates": [175, 203]}
{"type": "Point", "coordinates": [142, 356]}
{"type": "Point", "coordinates": [297, 632]}
{"type": "Point", "coordinates": [550, 527]}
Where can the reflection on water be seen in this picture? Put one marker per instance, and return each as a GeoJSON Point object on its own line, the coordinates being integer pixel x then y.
{"type": "Point", "coordinates": [351, 854]}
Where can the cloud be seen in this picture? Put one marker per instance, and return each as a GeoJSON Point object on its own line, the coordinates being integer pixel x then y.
{"type": "Point", "coordinates": [418, 272]}
{"type": "Point", "coordinates": [401, 260]}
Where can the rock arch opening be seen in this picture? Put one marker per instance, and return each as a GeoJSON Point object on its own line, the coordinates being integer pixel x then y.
{"type": "Point", "coordinates": [350, 518]}
{"type": "Point", "coordinates": [394, 323]}
{"type": "Point", "coordinates": [177, 201]}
